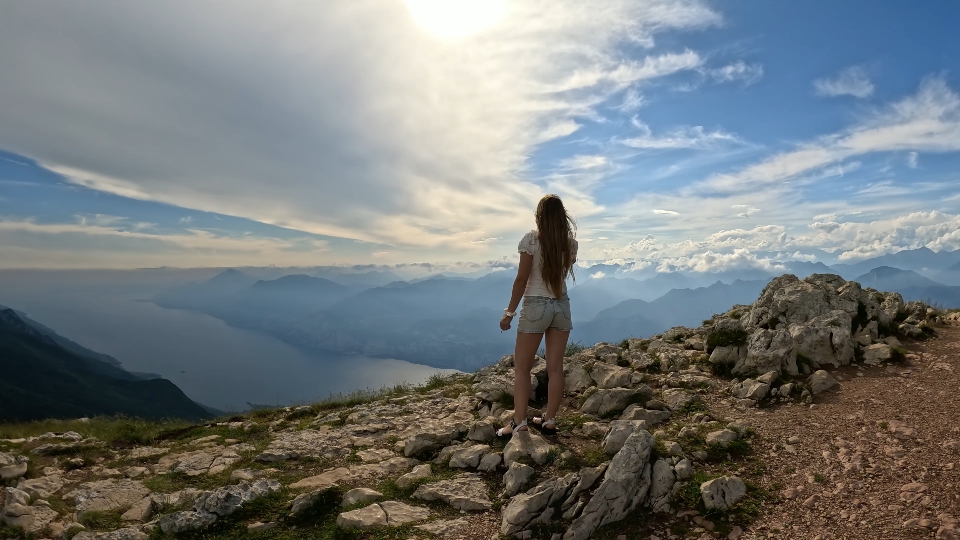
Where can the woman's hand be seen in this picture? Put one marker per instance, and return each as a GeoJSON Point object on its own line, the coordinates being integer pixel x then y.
{"type": "Point", "coordinates": [505, 323]}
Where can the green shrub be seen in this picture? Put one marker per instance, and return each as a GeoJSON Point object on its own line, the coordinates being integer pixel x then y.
{"type": "Point", "coordinates": [726, 338]}
{"type": "Point", "coordinates": [574, 348]}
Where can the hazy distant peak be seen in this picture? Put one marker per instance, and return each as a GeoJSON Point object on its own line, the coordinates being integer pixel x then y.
{"type": "Point", "coordinates": [890, 278]}
{"type": "Point", "coordinates": [298, 282]}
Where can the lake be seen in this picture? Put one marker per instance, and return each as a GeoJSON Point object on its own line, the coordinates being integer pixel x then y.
{"type": "Point", "coordinates": [213, 363]}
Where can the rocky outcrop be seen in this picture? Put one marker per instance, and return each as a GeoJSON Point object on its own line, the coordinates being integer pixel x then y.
{"type": "Point", "coordinates": [213, 505]}
{"type": "Point", "coordinates": [625, 485]}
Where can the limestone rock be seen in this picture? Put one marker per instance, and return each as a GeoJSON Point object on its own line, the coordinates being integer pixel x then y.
{"type": "Point", "coordinates": [431, 435]}
{"type": "Point", "coordinates": [41, 488]}
{"type": "Point", "coordinates": [728, 355]}
{"type": "Point", "coordinates": [361, 495]}
{"type": "Point", "coordinates": [227, 500]}
{"type": "Point", "coordinates": [683, 469]}
{"type": "Point", "coordinates": [305, 501]}
{"type": "Point", "coordinates": [625, 485]}
{"type": "Point", "coordinates": [420, 472]}
{"type": "Point", "coordinates": [212, 505]}
{"type": "Point", "coordinates": [140, 511]}
{"type": "Point", "coordinates": [537, 505]}
{"type": "Point", "coordinates": [611, 376]}
{"type": "Point", "coordinates": [375, 455]}
{"type": "Point", "coordinates": [482, 431]}
{"type": "Point", "coordinates": [661, 486]}
{"type": "Point", "coordinates": [876, 354]}
{"type": "Point", "coordinates": [499, 385]}
{"type": "Point", "coordinates": [187, 520]}
{"type": "Point", "coordinates": [468, 458]}
{"type": "Point", "coordinates": [615, 400]}
{"type": "Point", "coordinates": [490, 462]}
{"type": "Point", "coordinates": [363, 518]}
{"type": "Point", "coordinates": [769, 350]}
{"type": "Point", "coordinates": [651, 417]}
{"type": "Point", "coordinates": [106, 495]}
{"type": "Point", "coordinates": [721, 437]}
{"type": "Point", "coordinates": [31, 519]}
{"type": "Point", "coordinates": [527, 443]}
{"type": "Point", "coordinates": [576, 378]}
{"type": "Point", "coordinates": [399, 513]}
{"type": "Point", "coordinates": [466, 492]}
{"type": "Point", "coordinates": [128, 533]}
{"type": "Point", "coordinates": [750, 389]}
{"type": "Point", "coordinates": [722, 493]}
{"type": "Point", "coordinates": [672, 359]}
{"type": "Point", "coordinates": [619, 431]}
{"type": "Point", "coordinates": [12, 466]}
{"type": "Point", "coordinates": [821, 381]}
{"type": "Point", "coordinates": [677, 399]}
{"type": "Point", "coordinates": [516, 478]}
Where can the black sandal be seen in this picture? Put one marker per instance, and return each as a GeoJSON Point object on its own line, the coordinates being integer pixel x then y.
{"type": "Point", "coordinates": [548, 426]}
{"type": "Point", "coordinates": [514, 428]}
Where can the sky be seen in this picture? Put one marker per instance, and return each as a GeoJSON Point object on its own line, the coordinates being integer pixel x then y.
{"type": "Point", "coordinates": [682, 134]}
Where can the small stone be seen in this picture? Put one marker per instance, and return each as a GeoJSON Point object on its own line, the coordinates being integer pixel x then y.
{"type": "Point", "coordinates": [260, 527]}
{"type": "Point", "coordinates": [516, 478]}
{"type": "Point", "coordinates": [361, 495]}
{"type": "Point", "coordinates": [363, 518]}
{"type": "Point", "coordinates": [409, 480]}
{"type": "Point", "coordinates": [722, 437]}
{"type": "Point", "coordinates": [722, 493]}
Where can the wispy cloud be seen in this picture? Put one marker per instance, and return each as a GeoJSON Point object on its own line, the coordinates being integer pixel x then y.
{"type": "Point", "coordinates": [912, 160]}
{"type": "Point", "coordinates": [852, 81]}
{"type": "Point", "coordinates": [738, 71]}
{"type": "Point", "coordinates": [688, 137]}
{"type": "Point", "coordinates": [662, 212]}
{"type": "Point", "coordinates": [926, 121]}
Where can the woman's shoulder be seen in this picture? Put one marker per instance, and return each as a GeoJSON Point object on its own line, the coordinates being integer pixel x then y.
{"type": "Point", "coordinates": [529, 242]}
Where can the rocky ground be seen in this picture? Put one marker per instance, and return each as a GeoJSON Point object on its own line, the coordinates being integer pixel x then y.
{"type": "Point", "coordinates": [823, 410]}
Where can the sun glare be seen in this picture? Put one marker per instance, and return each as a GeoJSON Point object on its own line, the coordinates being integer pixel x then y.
{"type": "Point", "coordinates": [454, 19]}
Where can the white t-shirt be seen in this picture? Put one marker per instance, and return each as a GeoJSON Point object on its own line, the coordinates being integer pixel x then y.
{"type": "Point", "coordinates": [530, 243]}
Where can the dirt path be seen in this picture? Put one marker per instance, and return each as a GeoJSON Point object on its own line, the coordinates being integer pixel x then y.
{"type": "Point", "coordinates": [876, 458]}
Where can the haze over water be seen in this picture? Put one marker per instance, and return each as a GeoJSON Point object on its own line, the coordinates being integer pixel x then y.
{"type": "Point", "coordinates": [213, 363]}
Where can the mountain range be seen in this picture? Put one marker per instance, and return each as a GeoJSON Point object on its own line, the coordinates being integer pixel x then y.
{"type": "Point", "coordinates": [47, 376]}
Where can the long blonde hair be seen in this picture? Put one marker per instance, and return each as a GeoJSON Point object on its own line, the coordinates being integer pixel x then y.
{"type": "Point", "coordinates": [556, 230]}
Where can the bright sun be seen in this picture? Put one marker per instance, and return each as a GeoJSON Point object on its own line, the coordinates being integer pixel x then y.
{"type": "Point", "coordinates": [453, 19]}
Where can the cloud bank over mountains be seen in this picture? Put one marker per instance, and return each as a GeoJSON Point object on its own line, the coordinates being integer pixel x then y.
{"type": "Point", "coordinates": [390, 132]}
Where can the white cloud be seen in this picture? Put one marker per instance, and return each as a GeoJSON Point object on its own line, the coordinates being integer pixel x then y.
{"type": "Point", "coordinates": [597, 275]}
{"type": "Point", "coordinates": [927, 121]}
{"type": "Point", "coordinates": [580, 162]}
{"type": "Point", "coordinates": [738, 71]}
{"type": "Point", "coordinates": [113, 243]}
{"type": "Point", "coordinates": [745, 210]}
{"type": "Point", "coordinates": [665, 212]}
{"type": "Point", "coordinates": [689, 137]}
{"type": "Point", "coordinates": [420, 140]}
{"type": "Point", "coordinates": [852, 81]}
{"type": "Point", "coordinates": [912, 160]}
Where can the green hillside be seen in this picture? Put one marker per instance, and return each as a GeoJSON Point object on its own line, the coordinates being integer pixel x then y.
{"type": "Point", "coordinates": [41, 380]}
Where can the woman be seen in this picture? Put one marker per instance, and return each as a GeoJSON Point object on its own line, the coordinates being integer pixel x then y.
{"type": "Point", "coordinates": [546, 259]}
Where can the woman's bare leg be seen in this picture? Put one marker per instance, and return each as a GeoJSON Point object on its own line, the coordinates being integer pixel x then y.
{"type": "Point", "coordinates": [523, 357]}
{"type": "Point", "coordinates": [556, 345]}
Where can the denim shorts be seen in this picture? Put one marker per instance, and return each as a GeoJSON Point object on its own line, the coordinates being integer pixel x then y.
{"type": "Point", "coordinates": [540, 313]}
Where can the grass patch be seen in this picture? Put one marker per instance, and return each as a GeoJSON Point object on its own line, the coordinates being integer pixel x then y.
{"type": "Point", "coordinates": [571, 422]}
{"type": "Point", "coordinates": [733, 450]}
{"type": "Point", "coordinates": [105, 428]}
{"type": "Point", "coordinates": [593, 455]}
{"type": "Point", "coordinates": [102, 521]}
{"type": "Point", "coordinates": [898, 354]}
{"type": "Point", "coordinates": [819, 478]}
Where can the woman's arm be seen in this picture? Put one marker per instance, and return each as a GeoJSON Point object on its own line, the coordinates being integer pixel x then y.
{"type": "Point", "coordinates": [519, 285]}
